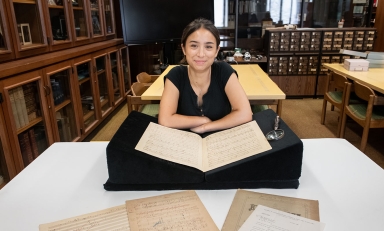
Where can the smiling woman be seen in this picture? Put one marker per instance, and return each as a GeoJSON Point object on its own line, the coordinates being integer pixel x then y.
{"type": "Point", "coordinates": [204, 95]}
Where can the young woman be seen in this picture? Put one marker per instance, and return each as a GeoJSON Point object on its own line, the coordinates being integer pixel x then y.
{"type": "Point", "coordinates": [204, 95]}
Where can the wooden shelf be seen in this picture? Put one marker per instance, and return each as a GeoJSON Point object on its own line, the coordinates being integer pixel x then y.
{"type": "Point", "coordinates": [25, 1]}
{"type": "Point", "coordinates": [30, 124]}
{"type": "Point", "coordinates": [88, 115]}
{"type": "Point", "coordinates": [63, 104]}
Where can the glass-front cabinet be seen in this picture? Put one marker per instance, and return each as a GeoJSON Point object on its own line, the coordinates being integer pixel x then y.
{"type": "Point", "coordinates": [58, 24]}
{"type": "Point", "coordinates": [62, 101]}
{"type": "Point", "coordinates": [6, 51]}
{"type": "Point", "coordinates": [28, 119]}
{"type": "Point", "coordinates": [86, 93]}
{"type": "Point", "coordinates": [125, 69]}
{"type": "Point", "coordinates": [80, 23]}
{"type": "Point", "coordinates": [116, 76]}
{"type": "Point", "coordinates": [28, 22]}
{"type": "Point", "coordinates": [96, 18]}
{"type": "Point", "coordinates": [7, 167]}
{"type": "Point", "coordinates": [103, 84]}
{"type": "Point", "coordinates": [109, 17]}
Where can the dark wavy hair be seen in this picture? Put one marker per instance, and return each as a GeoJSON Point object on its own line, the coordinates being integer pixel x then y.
{"type": "Point", "coordinates": [194, 26]}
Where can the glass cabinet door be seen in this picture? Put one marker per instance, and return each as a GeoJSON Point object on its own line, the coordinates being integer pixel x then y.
{"type": "Point", "coordinates": [61, 102]}
{"type": "Point", "coordinates": [96, 18]}
{"type": "Point", "coordinates": [5, 45]}
{"type": "Point", "coordinates": [103, 85]}
{"type": "Point", "coordinates": [28, 117]}
{"type": "Point", "coordinates": [87, 94]}
{"type": "Point", "coordinates": [116, 77]}
{"type": "Point", "coordinates": [109, 18]}
{"type": "Point", "coordinates": [29, 24]}
{"type": "Point", "coordinates": [80, 20]}
{"type": "Point", "coordinates": [7, 168]}
{"type": "Point", "coordinates": [58, 25]}
{"type": "Point", "coordinates": [125, 69]}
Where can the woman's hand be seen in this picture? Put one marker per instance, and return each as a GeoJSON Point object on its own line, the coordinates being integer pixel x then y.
{"type": "Point", "coordinates": [202, 128]}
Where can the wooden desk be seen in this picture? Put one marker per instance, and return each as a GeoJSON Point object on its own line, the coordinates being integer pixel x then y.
{"type": "Point", "coordinates": [374, 77]}
{"type": "Point", "coordinates": [67, 180]}
{"type": "Point", "coordinates": [258, 87]}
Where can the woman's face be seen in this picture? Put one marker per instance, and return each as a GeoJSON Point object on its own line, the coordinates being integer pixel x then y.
{"type": "Point", "coordinates": [200, 49]}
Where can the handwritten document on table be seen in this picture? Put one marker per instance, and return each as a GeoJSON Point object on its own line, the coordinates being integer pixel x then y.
{"type": "Point", "coordinates": [171, 212]}
{"type": "Point", "coordinates": [269, 219]}
{"type": "Point", "coordinates": [114, 218]}
{"type": "Point", "coordinates": [215, 150]}
{"type": "Point", "coordinates": [245, 202]}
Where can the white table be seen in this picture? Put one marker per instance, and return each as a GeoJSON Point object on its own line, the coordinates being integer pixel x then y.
{"type": "Point", "coordinates": [67, 180]}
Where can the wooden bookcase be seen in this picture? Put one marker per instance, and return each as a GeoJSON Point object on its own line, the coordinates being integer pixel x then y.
{"type": "Point", "coordinates": [63, 71]}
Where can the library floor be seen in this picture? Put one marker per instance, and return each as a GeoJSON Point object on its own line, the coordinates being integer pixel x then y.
{"type": "Point", "coordinates": [301, 115]}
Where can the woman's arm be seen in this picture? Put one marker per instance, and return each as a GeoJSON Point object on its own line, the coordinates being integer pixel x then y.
{"type": "Point", "coordinates": [168, 108]}
{"type": "Point", "coordinates": [241, 110]}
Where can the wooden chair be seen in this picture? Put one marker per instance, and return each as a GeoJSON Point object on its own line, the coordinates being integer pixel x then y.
{"type": "Point", "coordinates": [335, 94]}
{"type": "Point", "coordinates": [144, 77]}
{"type": "Point", "coordinates": [134, 101]}
{"type": "Point", "coordinates": [369, 114]}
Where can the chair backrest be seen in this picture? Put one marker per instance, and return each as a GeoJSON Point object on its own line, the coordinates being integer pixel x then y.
{"type": "Point", "coordinates": [362, 91]}
{"type": "Point", "coordinates": [338, 81]}
{"type": "Point", "coordinates": [138, 88]}
{"type": "Point", "coordinates": [143, 77]}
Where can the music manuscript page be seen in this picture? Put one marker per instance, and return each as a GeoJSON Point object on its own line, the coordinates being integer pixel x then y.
{"type": "Point", "coordinates": [114, 218]}
{"type": "Point", "coordinates": [213, 151]}
{"type": "Point", "coordinates": [245, 202]}
{"type": "Point", "coordinates": [269, 219]}
{"type": "Point", "coordinates": [173, 212]}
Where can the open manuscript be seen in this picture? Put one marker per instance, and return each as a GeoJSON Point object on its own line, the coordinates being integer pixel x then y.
{"type": "Point", "coordinates": [205, 154]}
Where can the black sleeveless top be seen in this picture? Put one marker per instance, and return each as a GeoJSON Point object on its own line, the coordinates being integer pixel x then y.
{"type": "Point", "coordinates": [215, 102]}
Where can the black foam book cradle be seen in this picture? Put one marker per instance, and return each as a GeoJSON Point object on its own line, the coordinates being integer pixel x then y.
{"type": "Point", "coordinates": [130, 169]}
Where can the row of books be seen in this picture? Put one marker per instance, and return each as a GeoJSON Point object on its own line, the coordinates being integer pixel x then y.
{"type": "Point", "coordinates": [57, 91]}
{"type": "Point", "coordinates": [32, 142]}
{"type": "Point", "coordinates": [24, 104]}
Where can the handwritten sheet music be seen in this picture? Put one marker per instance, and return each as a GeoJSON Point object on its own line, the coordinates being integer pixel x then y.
{"type": "Point", "coordinates": [245, 202]}
{"type": "Point", "coordinates": [172, 144]}
{"type": "Point", "coordinates": [114, 218]}
{"type": "Point", "coordinates": [213, 151]}
{"type": "Point", "coordinates": [233, 144]}
{"type": "Point", "coordinates": [269, 219]}
{"type": "Point", "coordinates": [172, 212]}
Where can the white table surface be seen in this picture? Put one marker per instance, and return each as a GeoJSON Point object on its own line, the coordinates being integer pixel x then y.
{"type": "Point", "coordinates": [67, 180]}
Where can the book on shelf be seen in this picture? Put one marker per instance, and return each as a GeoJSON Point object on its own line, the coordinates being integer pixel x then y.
{"type": "Point", "coordinates": [40, 138]}
{"type": "Point", "coordinates": [25, 148]}
{"type": "Point", "coordinates": [32, 139]}
{"type": "Point", "coordinates": [14, 109]}
{"type": "Point", "coordinates": [30, 101]}
{"type": "Point", "coordinates": [23, 120]}
{"type": "Point", "coordinates": [23, 105]}
{"type": "Point", "coordinates": [215, 150]}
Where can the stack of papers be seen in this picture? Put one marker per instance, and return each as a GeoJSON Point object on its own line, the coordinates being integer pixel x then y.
{"type": "Point", "coordinates": [184, 211]}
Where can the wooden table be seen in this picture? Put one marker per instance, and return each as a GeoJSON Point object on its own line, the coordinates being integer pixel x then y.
{"type": "Point", "coordinates": [258, 87]}
{"type": "Point", "coordinates": [374, 77]}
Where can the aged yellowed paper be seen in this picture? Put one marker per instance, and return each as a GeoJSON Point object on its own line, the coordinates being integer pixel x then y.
{"type": "Point", "coordinates": [245, 202]}
{"type": "Point", "coordinates": [114, 218]}
{"type": "Point", "coordinates": [215, 150]}
{"type": "Point", "coordinates": [171, 212]}
{"type": "Point", "coordinates": [269, 219]}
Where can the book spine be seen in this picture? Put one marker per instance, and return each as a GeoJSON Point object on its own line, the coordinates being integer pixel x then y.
{"type": "Point", "coordinates": [32, 140]}
{"type": "Point", "coordinates": [14, 110]}
{"type": "Point", "coordinates": [19, 110]}
{"type": "Point", "coordinates": [26, 149]}
{"type": "Point", "coordinates": [23, 105]}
